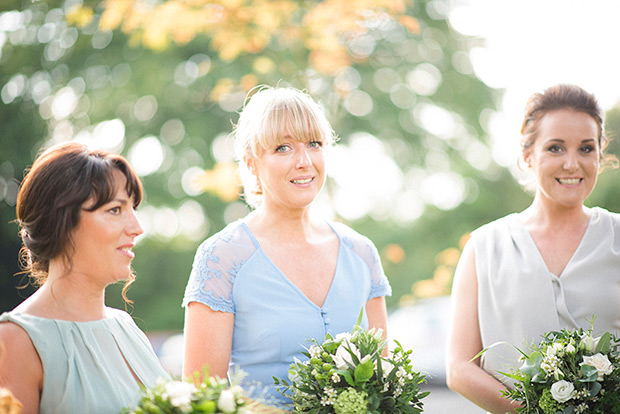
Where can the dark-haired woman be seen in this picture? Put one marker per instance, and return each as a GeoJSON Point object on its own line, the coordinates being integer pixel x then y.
{"type": "Point", "coordinates": [65, 351]}
{"type": "Point", "coordinates": [550, 267]}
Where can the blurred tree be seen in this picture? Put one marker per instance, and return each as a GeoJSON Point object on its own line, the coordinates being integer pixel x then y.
{"type": "Point", "coordinates": [161, 82]}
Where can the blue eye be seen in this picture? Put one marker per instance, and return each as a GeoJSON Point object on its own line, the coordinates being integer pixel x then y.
{"type": "Point", "coordinates": [315, 144]}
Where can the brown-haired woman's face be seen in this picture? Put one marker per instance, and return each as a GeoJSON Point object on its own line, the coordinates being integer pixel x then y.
{"type": "Point", "coordinates": [104, 238]}
{"type": "Point", "coordinates": [565, 157]}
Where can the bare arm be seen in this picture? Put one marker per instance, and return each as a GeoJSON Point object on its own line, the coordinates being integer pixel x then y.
{"type": "Point", "coordinates": [464, 375]}
{"type": "Point", "coordinates": [208, 340]}
{"type": "Point", "coordinates": [18, 355]}
{"type": "Point", "coordinates": [377, 314]}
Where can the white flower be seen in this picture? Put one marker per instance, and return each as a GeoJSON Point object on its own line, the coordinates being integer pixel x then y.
{"type": "Point", "coordinates": [226, 402]}
{"type": "Point", "coordinates": [570, 349]}
{"type": "Point", "coordinates": [386, 367]}
{"type": "Point", "coordinates": [343, 336]}
{"type": "Point", "coordinates": [587, 343]}
{"type": "Point", "coordinates": [600, 362]}
{"type": "Point", "coordinates": [562, 391]}
{"type": "Point", "coordinates": [343, 356]}
{"type": "Point", "coordinates": [179, 393]}
{"type": "Point", "coordinates": [315, 351]}
{"type": "Point", "coordinates": [377, 334]}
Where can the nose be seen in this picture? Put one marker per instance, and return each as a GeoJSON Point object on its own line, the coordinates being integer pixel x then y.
{"type": "Point", "coordinates": [303, 158]}
{"type": "Point", "coordinates": [570, 162]}
{"type": "Point", "coordinates": [133, 228]}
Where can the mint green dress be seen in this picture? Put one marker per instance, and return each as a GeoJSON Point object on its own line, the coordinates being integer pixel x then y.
{"type": "Point", "coordinates": [86, 364]}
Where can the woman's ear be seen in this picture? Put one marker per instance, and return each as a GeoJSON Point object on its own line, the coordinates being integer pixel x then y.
{"type": "Point", "coordinates": [250, 163]}
{"type": "Point", "coordinates": [526, 158]}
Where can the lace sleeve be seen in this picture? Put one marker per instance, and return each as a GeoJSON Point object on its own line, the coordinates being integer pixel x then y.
{"type": "Point", "coordinates": [217, 262]}
{"type": "Point", "coordinates": [366, 250]}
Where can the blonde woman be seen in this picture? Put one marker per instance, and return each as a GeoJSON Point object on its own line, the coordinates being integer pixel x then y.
{"type": "Point", "coordinates": [264, 285]}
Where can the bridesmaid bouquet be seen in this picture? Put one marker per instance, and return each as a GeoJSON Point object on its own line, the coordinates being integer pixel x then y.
{"type": "Point", "coordinates": [8, 403]}
{"type": "Point", "coordinates": [569, 372]}
{"type": "Point", "coordinates": [348, 375]}
{"type": "Point", "coordinates": [214, 395]}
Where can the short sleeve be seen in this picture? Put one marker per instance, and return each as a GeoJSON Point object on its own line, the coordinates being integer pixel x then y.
{"type": "Point", "coordinates": [217, 262]}
{"type": "Point", "coordinates": [366, 250]}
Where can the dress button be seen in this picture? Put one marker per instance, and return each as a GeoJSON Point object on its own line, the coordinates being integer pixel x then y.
{"type": "Point", "coordinates": [327, 321]}
{"type": "Point", "coordinates": [325, 310]}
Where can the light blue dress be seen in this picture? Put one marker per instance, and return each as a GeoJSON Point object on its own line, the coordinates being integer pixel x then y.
{"type": "Point", "coordinates": [273, 319]}
{"type": "Point", "coordinates": [519, 299]}
{"type": "Point", "coordinates": [85, 364]}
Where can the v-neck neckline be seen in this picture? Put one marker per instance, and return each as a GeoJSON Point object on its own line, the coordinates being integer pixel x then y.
{"type": "Point", "coordinates": [287, 280]}
{"type": "Point", "coordinates": [520, 224]}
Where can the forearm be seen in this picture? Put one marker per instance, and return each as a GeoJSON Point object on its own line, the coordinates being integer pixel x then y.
{"type": "Point", "coordinates": [475, 384]}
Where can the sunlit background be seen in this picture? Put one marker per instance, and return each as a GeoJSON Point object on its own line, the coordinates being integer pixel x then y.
{"type": "Point", "coordinates": [426, 98]}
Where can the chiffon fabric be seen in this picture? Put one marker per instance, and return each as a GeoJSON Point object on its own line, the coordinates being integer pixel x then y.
{"type": "Point", "coordinates": [519, 299]}
{"type": "Point", "coordinates": [86, 365]}
{"type": "Point", "coordinates": [273, 319]}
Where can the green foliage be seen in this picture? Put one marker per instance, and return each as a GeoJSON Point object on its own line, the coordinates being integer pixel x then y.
{"type": "Point", "coordinates": [570, 371]}
{"type": "Point", "coordinates": [349, 374]}
{"type": "Point", "coordinates": [186, 97]}
{"type": "Point", "coordinates": [178, 397]}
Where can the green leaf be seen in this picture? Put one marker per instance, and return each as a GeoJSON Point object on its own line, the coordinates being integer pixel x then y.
{"type": "Point", "coordinates": [364, 371]}
{"type": "Point", "coordinates": [360, 317]}
{"type": "Point", "coordinates": [590, 373]}
{"type": "Point", "coordinates": [603, 343]}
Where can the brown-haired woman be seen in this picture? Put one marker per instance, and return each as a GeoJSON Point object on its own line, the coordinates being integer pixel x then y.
{"type": "Point", "coordinates": [65, 351]}
{"type": "Point", "coordinates": [549, 267]}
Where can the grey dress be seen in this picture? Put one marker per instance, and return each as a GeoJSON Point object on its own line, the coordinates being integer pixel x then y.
{"type": "Point", "coordinates": [519, 299]}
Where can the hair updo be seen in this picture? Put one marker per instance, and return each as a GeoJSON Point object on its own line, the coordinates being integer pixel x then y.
{"type": "Point", "coordinates": [51, 197]}
{"type": "Point", "coordinates": [558, 97]}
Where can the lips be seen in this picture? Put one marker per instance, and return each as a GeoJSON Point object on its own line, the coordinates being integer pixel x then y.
{"type": "Point", "coordinates": [569, 181]}
{"type": "Point", "coordinates": [302, 180]}
{"type": "Point", "coordinates": [126, 250]}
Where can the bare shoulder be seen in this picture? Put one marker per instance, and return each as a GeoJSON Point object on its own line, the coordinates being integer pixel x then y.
{"type": "Point", "coordinates": [17, 351]}
{"type": "Point", "coordinates": [18, 355]}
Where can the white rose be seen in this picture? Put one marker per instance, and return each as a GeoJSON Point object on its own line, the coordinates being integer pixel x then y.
{"type": "Point", "coordinates": [180, 393]}
{"type": "Point", "coordinates": [226, 402]}
{"type": "Point", "coordinates": [570, 349]}
{"type": "Point", "coordinates": [343, 356]}
{"type": "Point", "coordinates": [600, 362]}
{"type": "Point", "coordinates": [562, 391]}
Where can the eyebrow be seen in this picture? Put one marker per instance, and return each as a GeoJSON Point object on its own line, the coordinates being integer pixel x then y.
{"type": "Point", "coordinates": [561, 140]}
{"type": "Point", "coordinates": [123, 201]}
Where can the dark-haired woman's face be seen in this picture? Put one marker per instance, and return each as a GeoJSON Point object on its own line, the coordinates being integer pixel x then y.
{"type": "Point", "coordinates": [104, 238]}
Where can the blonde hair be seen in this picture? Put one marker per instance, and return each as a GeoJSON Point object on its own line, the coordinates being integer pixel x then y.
{"type": "Point", "coordinates": [266, 118]}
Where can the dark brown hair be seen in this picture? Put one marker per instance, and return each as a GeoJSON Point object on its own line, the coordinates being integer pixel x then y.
{"type": "Point", "coordinates": [557, 97]}
{"type": "Point", "coordinates": [51, 197]}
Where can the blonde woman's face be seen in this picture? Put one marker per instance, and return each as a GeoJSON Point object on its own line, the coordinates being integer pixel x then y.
{"type": "Point", "coordinates": [291, 172]}
{"type": "Point", "coordinates": [565, 157]}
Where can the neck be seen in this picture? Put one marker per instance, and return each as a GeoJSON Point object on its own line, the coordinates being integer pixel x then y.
{"type": "Point", "coordinates": [284, 223]}
{"type": "Point", "coordinates": [553, 215]}
{"type": "Point", "coordinates": [68, 295]}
